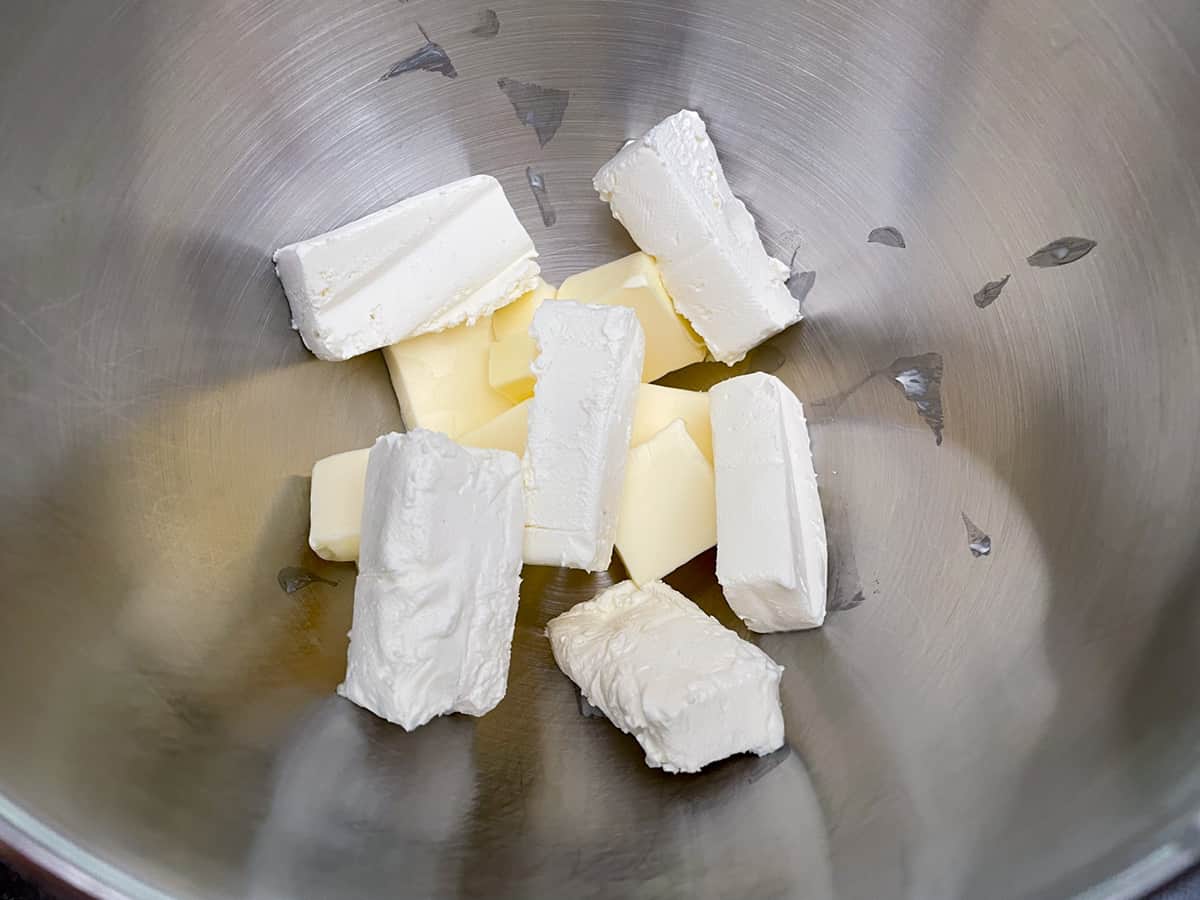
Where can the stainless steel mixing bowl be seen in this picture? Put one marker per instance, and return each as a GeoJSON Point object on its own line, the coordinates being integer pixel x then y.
{"type": "Point", "coordinates": [1022, 722]}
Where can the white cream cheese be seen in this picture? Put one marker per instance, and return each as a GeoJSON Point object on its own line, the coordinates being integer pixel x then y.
{"type": "Point", "coordinates": [634, 281]}
{"type": "Point", "coordinates": [771, 550]}
{"type": "Point", "coordinates": [669, 191]}
{"type": "Point", "coordinates": [690, 690]}
{"type": "Point", "coordinates": [447, 256]}
{"type": "Point", "coordinates": [439, 573]}
{"type": "Point", "coordinates": [580, 420]}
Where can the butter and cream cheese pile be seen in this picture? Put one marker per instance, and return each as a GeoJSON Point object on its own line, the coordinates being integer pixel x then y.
{"type": "Point", "coordinates": [536, 437]}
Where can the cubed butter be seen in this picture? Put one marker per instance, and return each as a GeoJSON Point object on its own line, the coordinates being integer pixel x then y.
{"type": "Point", "coordinates": [658, 406]}
{"type": "Point", "coordinates": [335, 505]}
{"type": "Point", "coordinates": [634, 281]}
{"type": "Point", "coordinates": [441, 379]}
{"type": "Point", "coordinates": [505, 432]}
{"type": "Point", "coordinates": [510, 366]}
{"type": "Point", "coordinates": [668, 505]}
{"type": "Point", "coordinates": [518, 315]}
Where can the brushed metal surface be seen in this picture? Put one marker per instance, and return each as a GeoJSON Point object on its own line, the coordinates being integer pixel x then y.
{"type": "Point", "coordinates": [1021, 723]}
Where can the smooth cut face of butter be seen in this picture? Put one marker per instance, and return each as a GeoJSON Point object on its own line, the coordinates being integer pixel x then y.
{"type": "Point", "coordinates": [771, 549]}
{"type": "Point", "coordinates": [580, 419]}
{"type": "Point", "coordinates": [658, 406]}
{"type": "Point", "coordinates": [335, 505]}
{"type": "Point", "coordinates": [634, 281]}
{"type": "Point", "coordinates": [430, 262]}
{"type": "Point", "coordinates": [518, 315]}
{"type": "Point", "coordinates": [510, 366]}
{"type": "Point", "coordinates": [668, 506]}
{"type": "Point", "coordinates": [669, 191]}
{"type": "Point", "coordinates": [689, 689]}
{"type": "Point", "coordinates": [505, 432]}
{"type": "Point", "coordinates": [441, 380]}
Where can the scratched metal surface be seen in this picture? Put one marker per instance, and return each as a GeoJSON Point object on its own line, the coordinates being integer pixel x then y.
{"type": "Point", "coordinates": [1017, 722]}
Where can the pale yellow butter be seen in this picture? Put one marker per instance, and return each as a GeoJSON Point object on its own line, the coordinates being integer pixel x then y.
{"type": "Point", "coordinates": [668, 505]}
{"type": "Point", "coordinates": [335, 505]}
{"type": "Point", "coordinates": [658, 406]}
{"type": "Point", "coordinates": [634, 281]}
{"type": "Point", "coordinates": [510, 366]}
{"type": "Point", "coordinates": [517, 316]}
{"type": "Point", "coordinates": [505, 432]}
{"type": "Point", "coordinates": [441, 379]}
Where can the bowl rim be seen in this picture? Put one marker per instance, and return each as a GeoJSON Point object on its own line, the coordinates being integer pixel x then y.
{"type": "Point", "coordinates": [1129, 872]}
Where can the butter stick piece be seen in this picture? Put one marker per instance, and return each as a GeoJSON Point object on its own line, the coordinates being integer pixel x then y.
{"type": "Point", "coordinates": [335, 505]}
{"type": "Point", "coordinates": [510, 366]}
{"type": "Point", "coordinates": [518, 315]}
{"type": "Point", "coordinates": [441, 380]}
{"type": "Point", "coordinates": [668, 506]}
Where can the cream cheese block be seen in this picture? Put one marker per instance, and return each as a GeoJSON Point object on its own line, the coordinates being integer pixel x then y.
{"type": "Point", "coordinates": [669, 191]}
{"type": "Point", "coordinates": [580, 419]}
{"type": "Point", "coordinates": [771, 550]}
{"type": "Point", "coordinates": [450, 255]}
{"type": "Point", "coordinates": [634, 281]}
{"type": "Point", "coordinates": [686, 687]}
{"type": "Point", "coordinates": [435, 602]}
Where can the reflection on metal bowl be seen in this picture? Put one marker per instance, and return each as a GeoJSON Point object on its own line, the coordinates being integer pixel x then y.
{"type": "Point", "coordinates": [1005, 418]}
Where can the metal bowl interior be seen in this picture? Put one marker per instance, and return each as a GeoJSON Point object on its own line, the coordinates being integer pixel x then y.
{"type": "Point", "coordinates": [1018, 723]}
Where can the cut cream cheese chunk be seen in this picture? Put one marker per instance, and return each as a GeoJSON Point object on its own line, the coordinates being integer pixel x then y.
{"type": "Point", "coordinates": [771, 550]}
{"type": "Point", "coordinates": [668, 506]}
{"type": "Point", "coordinates": [335, 505]}
{"type": "Point", "coordinates": [518, 315]}
{"type": "Point", "coordinates": [669, 191]}
{"type": "Point", "coordinates": [634, 281]}
{"type": "Point", "coordinates": [690, 690]}
{"type": "Point", "coordinates": [441, 258]}
{"type": "Point", "coordinates": [587, 370]}
{"type": "Point", "coordinates": [435, 602]}
{"type": "Point", "coordinates": [441, 380]}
